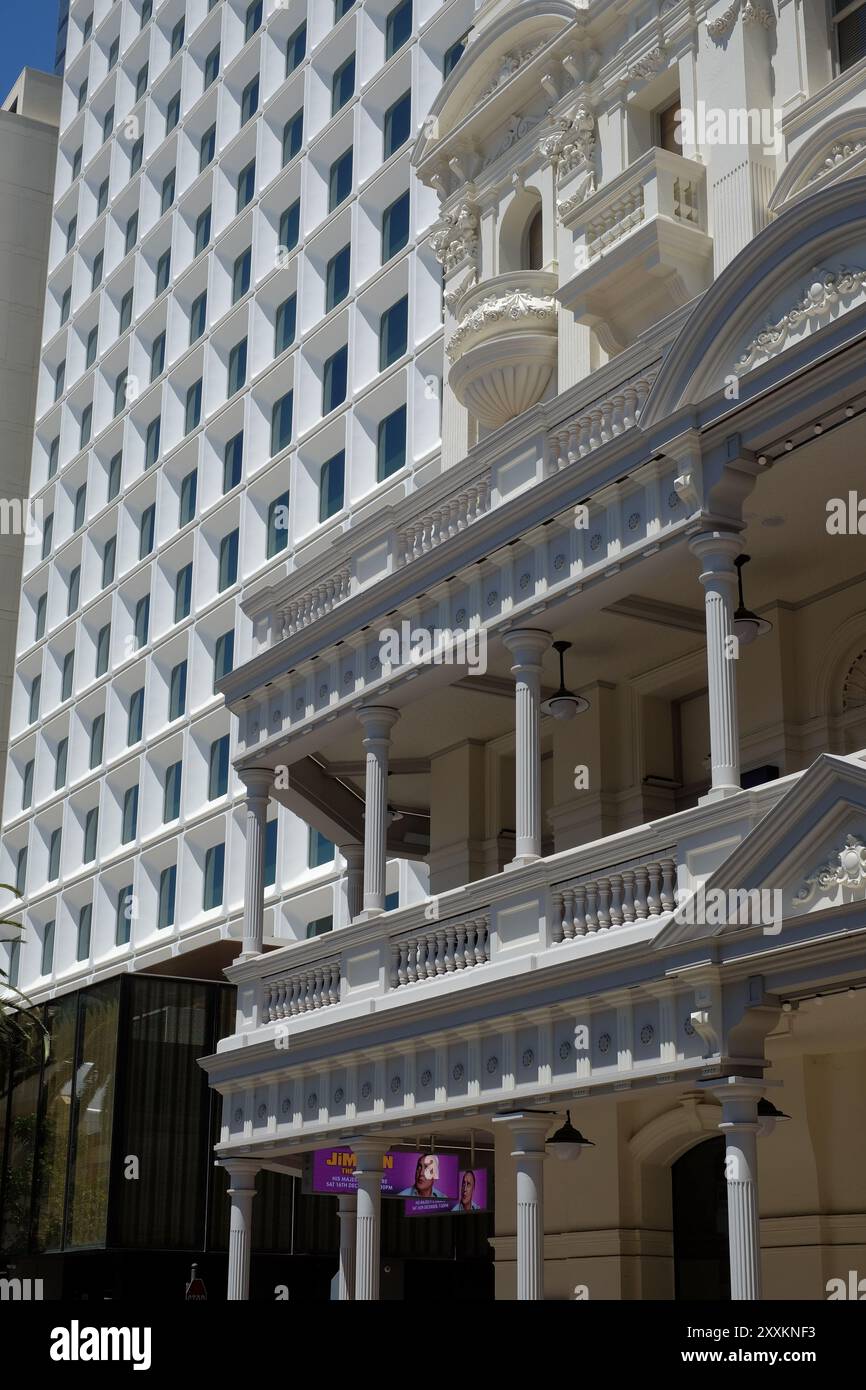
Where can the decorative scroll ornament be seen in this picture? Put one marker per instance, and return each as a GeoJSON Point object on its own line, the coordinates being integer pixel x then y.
{"type": "Point", "coordinates": [509, 64]}
{"type": "Point", "coordinates": [647, 66]}
{"type": "Point", "coordinates": [838, 154]}
{"type": "Point", "coordinates": [846, 869]}
{"type": "Point", "coordinates": [572, 143]}
{"type": "Point", "coordinates": [455, 236]}
{"type": "Point", "coordinates": [829, 287]}
{"type": "Point", "coordinates": [457, 292]}
{"type": "Point", "coordinates": [752, 14]}
{"type": "Point", "coordinates": [517, 127]}
{"type": "Point", "coordinates": [497, 308]}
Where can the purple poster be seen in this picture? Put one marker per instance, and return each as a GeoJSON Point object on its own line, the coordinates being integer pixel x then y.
{"type": "Point", "coordinates": [425, 1177]}
{"type": "Point", "coordinates": [471, 1198]}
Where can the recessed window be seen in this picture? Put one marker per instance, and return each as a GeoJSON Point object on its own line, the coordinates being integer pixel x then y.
{"type": "Point", "coordinates": [391, 446]}
{"type": "Point", "coordinates": [146, 12]}
{"type": "Point", "coordinates": [224, 655]}
{"type": "Point", "coordinates": [135, 717]}
{"type": "Point", "coordinates": [393, 333]}
{"type": "Point", "coordinates": [398, 28]}
{"type": "Point", "coordinates": [177, 37]}
{"type": "Point", "coordinates": [192, 414]}
{"type": "Point", "coordinates": [103, 644]}
{"type": "Point", "coordinates": [218, 768]}
{"type": "Point", "coordinates": [296, 49]}
{"type": "Point", "coordinates": [241, 275]}
{"type": "Point", "coordinates": [68, 674]}
{"type": "Point", "coordinates": [107, 124]}
{"type": "Point", "coordinates": [41, 610]}
{"type": "Point", "coordinates": [167, 897]}
{"type": "Point", "coordinates": [163, 272]}
{"type": "Point", "coordinates": [340, 180]}
{"type": "Point", "coordinates": [278, 525]}
{"type": "Point", "coordinates": [102, 198]}
{"type": "Point", "coordinates": [453, 56]}
{"type": "Point", "coordinates": [129, 828]}
{"type": "Point", "coordinates": [331, 486]}
{"type": "Point", "coordinates": [47, 962]}
{"type": "Point", "coordinates": [290, 226]}
{"type": "Point", "coordinates": [80, 504]}
{"type": "Point", "coordinates": [182, 594]}
{"type": "Point", "coordinates": [76, 163]}
{"type": "Point", "coordinates": [320, 926]}
{"type": "Point", "coordinates": [395, 227]}
{"type": "Point", "coordinates": [21, 872]}
{"type": "Point", "coordinates": [86, 422]}
{"type": "Point", "coordinates": [286, 322]}
{"type": "Point", "coordinates": [343, 85]}
{"type": "Point", "coordinates": [109, 559]}
{"type": "Point", "coordinates": [172, 113]}
{"type": "Point", "coordinates": [237, 372]}
{"type": "Point", "coordinates": [341, 8]}
{"type": "Point", "coordinates": [197, 316]}
{"type": "Point", "coordinates": [250, 100]}
{"type": "Point", "coordinates": [113, 51]}
{"type": "Point", "coordinates": [233, 461]}
{"type": "Point", "coordinates": [214, 872]}
{"type": "Point", "coordinates": [202, 231]}
{"type": "Point", "coordinates": [90, 351]}
{"type": "Point", "coordinates": [228, 561]}
{"type": "Point", "coordinates": [171, 793]}
{"type": "Point", "coordinates": [71, 233]}
{"type": "Point", "coordinates": [53, 455]}
{"type": "Point", "coordinates": [398, 120]}
{"type": "Point", "coordinates": [136, 155]}
{"type": "Point", "coordinates": [82, 94]}
{"type": "Point", "coordinates": [253, 20]}
{"type": "Point", "coordinates": [157, 356]}
{"type": "Point", "coordinates": [337, 278]}
{"type": "Point", "coordinates": [667, 123]}
{"type": "Point", "coordinates": [281, 423]}
{"type": "Point", "coordinates": [167, 197]}
{"type": "Point", "coordinates": [142, 621]}
{"type": "Point", "coordinates": [91, 830]}
{"type": "Point", "coordinates": [82, 945]}
{"type": "Point", "coordinates": [177, 691]}
{"type": "Point", "coordinates": [73, 592]}
{"type": "Point", "coordinates": [246, 185]}
{"type": "Point", "coordinates": [849, 21]}
{"type": "Point", "coordinates": [114, 470]}
{"type": "Point", "coordinates": [47, 535]}
{"type": "Point", "coordinates": [188, 491]}
{"type": "Point", "coordinates": [96, 277]}
{"type": "Point", "coordinates": [207, 148]}
{"type": "Point", "coordinates": [131, 233]}
{"type": "Point", "coordinates": [271, 853]}
{"type": "Point", "coordinates": [211, 67]}
{"type": "Point", "coordinates": [320, 850]}
{"type": "Point", "coordinates": [27, 785]}
{"type": "Point", "coordinates": [125, 317]}
{"type": "Point", "coordinates": [54, 846]}
{"type": "Point", "coordinates": [64, 305]}
{"type": "Point", "coordinates": [35, 692]}
{"type": "Point", "coordinates": [141, 82]}
{"type": "Point", "coordinates": [532, 255]}
{"type": "Point", "coordinates": [293, 136]}
{"type": "Point", "coordinates": [97, 739]}
{"type": "Point", "coordinates": [123, 914]}
{"type": "Point", "coordinates": [146, 531]}
{"type": "Point", "coordinates": [335, 379]}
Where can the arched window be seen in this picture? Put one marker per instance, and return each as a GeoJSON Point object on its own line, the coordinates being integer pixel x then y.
{"type": "Point", "coordinates": [700, 1218]}
{"type": "Point", "coordinates": [533, 244]}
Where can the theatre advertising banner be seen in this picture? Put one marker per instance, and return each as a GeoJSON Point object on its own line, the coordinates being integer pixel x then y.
{"type": "Point", "coordinates": [429, 1183]}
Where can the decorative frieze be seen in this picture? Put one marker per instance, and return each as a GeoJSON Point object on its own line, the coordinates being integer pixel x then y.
{"type": "Point", "coordinates": [827, 291]}
{"type": "Point", "coordinates": [517, 308]}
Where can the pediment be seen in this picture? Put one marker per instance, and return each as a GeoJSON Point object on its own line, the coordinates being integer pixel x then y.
{"type": "Point", "coordinates": [836, 151]}
{"type": "Point", "coordinates": [806, 857]}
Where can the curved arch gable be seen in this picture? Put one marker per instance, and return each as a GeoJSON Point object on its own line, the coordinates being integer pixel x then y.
{"type": "Point", "coordinates": [822, 159]}
{"type": "Point", "coordinates": [463, 90]}
{"type": "Point", "coordinates": [737, 305]}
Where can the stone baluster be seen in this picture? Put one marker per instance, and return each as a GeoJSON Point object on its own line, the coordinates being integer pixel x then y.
{"type": "Point", "coordinates": [616, 914]}
{"type": "Point", "coordinates": [628, 912]}
{"type": "Point", "coordinates": [451, 942]}
{"type": "Point", "coordinates": [591, 906]}
{"type": "Point", "coordinates": [669, 880]}
{"type": "Point", "coordinates": [654, 901]}
{"type": "Point", "coordinates": [580, 909]}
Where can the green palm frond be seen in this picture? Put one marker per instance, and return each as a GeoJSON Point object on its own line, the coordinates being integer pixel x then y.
{"type": "Point", "coordinates": [18, 1013]}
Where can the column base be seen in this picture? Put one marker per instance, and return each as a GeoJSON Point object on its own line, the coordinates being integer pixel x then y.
{"type": "Point", "coordinates": [369, 913]}
{"type": "Point", "coordinates": [520, 860]}
{"type": "Point", "coordinates": [247, 955]}
{"type": "Point", "coordinates": [718, 794]}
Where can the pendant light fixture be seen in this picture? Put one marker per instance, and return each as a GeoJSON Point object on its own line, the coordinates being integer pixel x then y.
{"type": "Point", "coordinates": [564, 704]}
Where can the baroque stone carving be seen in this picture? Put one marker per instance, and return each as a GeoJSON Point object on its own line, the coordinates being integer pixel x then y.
{"type": "Point", "coordinates": [455, 236]}
{"type": "Point", "coordinates": [517, 127]}
{"type": "Point", "coordinates": [845, 869]}
{"type": "Point", "coordinates": [509, 64]}
{"type": "Point", "coordinates": [496, 308]}
{"type": "Point", "coordinates": [828, 287]}
{"type": "Point", "coordinates": [752, 14]}
{"type": "Point", "coordinates": [647, 66]}
{"type": "Point", "coordinates": [838, 154]}
{"type": "Point", "coordinates": [571, 143]}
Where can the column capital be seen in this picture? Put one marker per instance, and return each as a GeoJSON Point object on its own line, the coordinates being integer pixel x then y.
{"type": "Point", "coordinates": [717, 550]}
{"type": "Point", "coordinates": [369, 1153]}
{"type": "Point", "coordinates": [258, 782]}
{"type": "Point", "coordinates": [529, 1130]}
{"type": "Point", "coordinates": [739, 1096]}
{"type": "Point", "coordinates": [527, 645]}
{"type": "Point", "coordinates": [242, 1174]}
{"type": "Point", "coordinates": [353, 854]}
{"type": "Point", "coordinates": [377, 720]}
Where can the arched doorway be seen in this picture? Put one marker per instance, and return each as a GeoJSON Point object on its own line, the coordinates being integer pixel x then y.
{"type": "Point", "coordinates": [702, 1270]}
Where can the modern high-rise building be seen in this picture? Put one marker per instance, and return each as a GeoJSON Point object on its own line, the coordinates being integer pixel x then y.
{"type": "Point", "coordinates": [449, 628]}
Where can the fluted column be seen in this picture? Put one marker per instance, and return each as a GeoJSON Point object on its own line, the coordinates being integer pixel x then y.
{"type": "Point", "coordinates": [378, 720]}
{"type": "Point", "coordinates": [716, 551]}
{"type": "Point", "coordinates": [348, 1212]}
{"type": "Point", "coordinates": [527, 646]}
{"type": "Point", "coordinates": [528, 1130]}
{"type": "Point", "coordinates": [354, 857]}
{"type": "Point", "coordinates": [368, 1171]}
{"type": "Point", "coordinates": [241, 1191]}
{"type": "Point", "coordinates": [258, 782]}
{"type": "Point", "coordinates": [739, 1124]}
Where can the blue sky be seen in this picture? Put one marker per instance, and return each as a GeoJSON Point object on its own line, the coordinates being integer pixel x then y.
{"type": "Point", "coordinates": [29, 30]}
